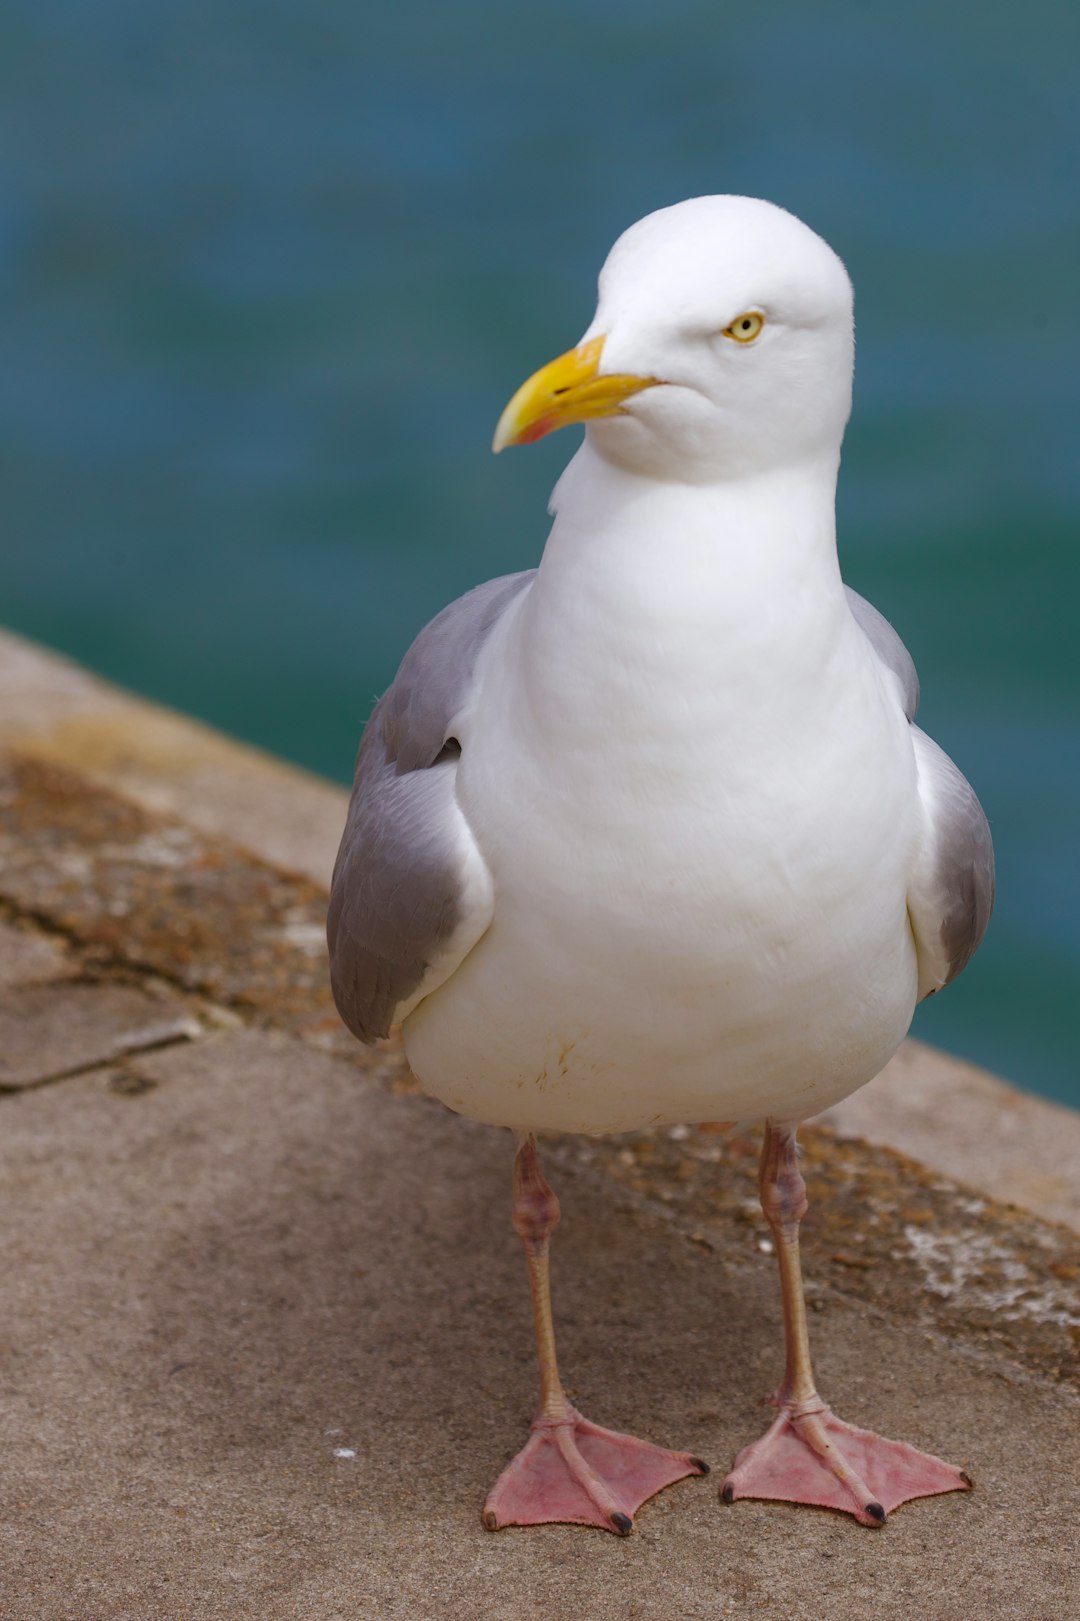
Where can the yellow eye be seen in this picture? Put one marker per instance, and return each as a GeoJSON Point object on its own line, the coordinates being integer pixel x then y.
{"type": "Point", "coordinates": [745, 328]}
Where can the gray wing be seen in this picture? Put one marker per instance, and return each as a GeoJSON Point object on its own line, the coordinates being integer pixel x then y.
{"type": "Point", "coordinates": [411, 894]}
{"type": "Point", "coordinates": [952, 889]}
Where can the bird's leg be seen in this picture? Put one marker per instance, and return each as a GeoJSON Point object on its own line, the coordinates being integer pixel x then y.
{"type": "Point", "coordinates": [809, 1455]}
{"type": "Point", "coordinates": [535, 1216]}
{"type": "Point", "coordinates": [570, 1470]}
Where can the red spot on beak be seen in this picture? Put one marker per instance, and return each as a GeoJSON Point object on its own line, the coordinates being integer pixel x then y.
{"type": "Point", "coordinates": [536, 430]}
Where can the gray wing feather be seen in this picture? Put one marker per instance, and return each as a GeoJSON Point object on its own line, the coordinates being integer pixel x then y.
{"type": "Point", "coordinates": [952, 890]}
{"type": "Point", "coordinates": [435, 675]}
{"type": "Point", "coordinates": [402, 898]}
{"type": "Point", "coordinates": [888, 647]}
{"type": "Point", "coordinates": [952, 893]}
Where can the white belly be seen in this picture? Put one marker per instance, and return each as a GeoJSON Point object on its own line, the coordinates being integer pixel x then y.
{"type": "Point", "coordinates": [700, 906]}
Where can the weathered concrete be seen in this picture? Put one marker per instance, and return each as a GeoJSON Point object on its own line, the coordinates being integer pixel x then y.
{"type": "Point", "coordinates": [973, 1127]}
{"type": "Point", "coordinates": [29, 957]}
{"type": "Point", "coordinates": [267, 1342]}
{"type": "Point", "coordinates": [52, 1030]}
{"type": "Point", "coordinates": [54, 711]}
{"type": "Point", "coordinates": [149, 894]}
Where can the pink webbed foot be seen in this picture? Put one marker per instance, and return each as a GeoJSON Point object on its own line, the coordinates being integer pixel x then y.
{"type": "Point", "coordinates": [814, 1457]}
{"type": "Point", "coordinates": [573, 1472]}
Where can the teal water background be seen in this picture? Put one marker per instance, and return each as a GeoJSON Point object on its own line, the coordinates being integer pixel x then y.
{"type": "Point", "coordinates": [269, 272]}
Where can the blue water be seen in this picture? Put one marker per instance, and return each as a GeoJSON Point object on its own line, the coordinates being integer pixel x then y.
{"type": "Point", "coordinates": [268, 274]}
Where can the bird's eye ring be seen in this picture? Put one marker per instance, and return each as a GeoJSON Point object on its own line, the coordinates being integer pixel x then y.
{"type": "Point", "coordinates": [746, 327]}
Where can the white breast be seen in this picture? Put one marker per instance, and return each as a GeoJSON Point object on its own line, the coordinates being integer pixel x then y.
{"type": "Point", "coordinates": [696, 798]}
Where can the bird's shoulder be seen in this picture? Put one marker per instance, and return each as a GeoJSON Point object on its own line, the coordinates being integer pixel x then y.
{"type": "Point", "coordinates": [435, 676]}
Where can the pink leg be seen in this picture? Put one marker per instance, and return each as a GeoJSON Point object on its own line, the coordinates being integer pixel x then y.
{"type": "Point", "coordinates": [570, 1470]}
{"type": "Point", "coordinates": [808, 1455]}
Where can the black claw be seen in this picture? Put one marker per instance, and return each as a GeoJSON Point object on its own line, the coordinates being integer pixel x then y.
{"type": "Point", "coordinates": [701, 1466]}
{"type": "Point", "coordinates": [876, 1512]}
{"type": "Point", "coordinates": [727, 1492]}
{"type": "Point", "coordinates": [966, 1478]}
{"type": "Point", "coordinates": [623, 1524]}
{"type": "Point", "coordinates": [490, 1521]}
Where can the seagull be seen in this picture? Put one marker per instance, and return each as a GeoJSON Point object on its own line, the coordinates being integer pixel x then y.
{"type": "Point", "coordinates": [648, 834]}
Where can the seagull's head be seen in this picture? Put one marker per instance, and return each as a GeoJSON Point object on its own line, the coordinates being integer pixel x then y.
{"type": "Point", "coordinates": [722, 345]}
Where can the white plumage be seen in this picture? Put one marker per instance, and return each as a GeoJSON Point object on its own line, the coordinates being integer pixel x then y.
{"type": "Point", "coordinates": [649, 836]}
{"type": "Point", "coordinates": [694, 786]}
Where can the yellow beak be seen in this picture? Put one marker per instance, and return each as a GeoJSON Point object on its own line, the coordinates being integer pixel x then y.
{"type": "Point", "coordinates": [566, 390]}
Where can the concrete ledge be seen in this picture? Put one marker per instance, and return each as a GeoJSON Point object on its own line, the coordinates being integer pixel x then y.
{"type": "Point", "coordinates": [266, 1342]}
{"type": "Point", "coordinates": [52, 710]}
{"type": "Point", "coordinates": [973, 1127]}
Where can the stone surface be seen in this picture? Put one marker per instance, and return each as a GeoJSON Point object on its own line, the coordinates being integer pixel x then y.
{"type": "Point", "coordinates": [971, 1126]}
{"type": "Point", "coordinates": [59, 713]}
{"type": "Point", "coordinates": [880, 1227]}
{"type": "Point", "coordinates": [266, 1342]}
{"type": "Point", "coordinates": [55, 1029]}
{"type": "Point", "coordinates": [148, 892]}
{"type": "Point", "coordinates": [28, 956]}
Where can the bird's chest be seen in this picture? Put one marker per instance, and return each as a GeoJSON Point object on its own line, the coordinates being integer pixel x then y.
{"type": "Point", "coordinates": [672, 788]}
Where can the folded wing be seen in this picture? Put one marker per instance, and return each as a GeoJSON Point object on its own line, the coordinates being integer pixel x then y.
{"type": "Point", "coordinates": [411, 894]}
{"type": "Point", "coordinates": [951, 894]}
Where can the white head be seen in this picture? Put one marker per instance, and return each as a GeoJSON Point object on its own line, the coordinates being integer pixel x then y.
{"type": "Point", "coordinates": [722, 345]}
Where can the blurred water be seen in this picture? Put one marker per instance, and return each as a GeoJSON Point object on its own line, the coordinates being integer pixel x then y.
{"type": "Point", "coordinates": [268, 274]}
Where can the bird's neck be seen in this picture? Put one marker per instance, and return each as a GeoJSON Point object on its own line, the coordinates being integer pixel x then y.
{"type": "Point", "coordinates": [661, 609]}
{"type": "Point", "coordinates": [657, 554]}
